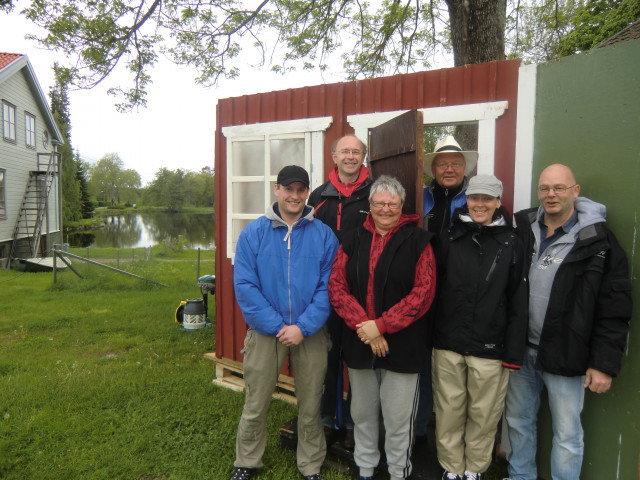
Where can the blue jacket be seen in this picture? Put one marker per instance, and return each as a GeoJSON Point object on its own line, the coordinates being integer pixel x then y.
{"type": "Point", "coordinates": [459, 201]}
{"type": "Point", "coordinates": [281, 273]}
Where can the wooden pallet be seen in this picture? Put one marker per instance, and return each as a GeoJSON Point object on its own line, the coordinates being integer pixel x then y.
{"type": "Point", "coordinates": [229, 374]}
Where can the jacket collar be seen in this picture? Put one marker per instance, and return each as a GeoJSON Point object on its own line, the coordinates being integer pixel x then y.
{"type": "Point", "coordinates": [347, 189]}
{"type": "Point", "coordinates": [370, 226]}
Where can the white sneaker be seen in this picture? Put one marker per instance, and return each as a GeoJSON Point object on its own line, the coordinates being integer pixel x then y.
{"type": "Point", "coordinates": [450, 476]}
{"type": "Point", "coordinates": [472, 475]}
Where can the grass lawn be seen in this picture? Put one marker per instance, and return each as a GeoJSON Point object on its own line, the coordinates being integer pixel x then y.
{"type": "Point", "coordinates": [98, 382]}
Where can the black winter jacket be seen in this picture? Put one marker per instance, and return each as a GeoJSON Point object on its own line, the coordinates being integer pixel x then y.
{"type": "Point", "coordinates": [482, 291]}
{"type": "Point", "coordinates": [587, 318]}
{"type": "Point", "coordinates": [332, 206]}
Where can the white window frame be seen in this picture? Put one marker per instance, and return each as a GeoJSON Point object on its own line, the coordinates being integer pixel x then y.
{"type": "Point", "coordinates": [8, 124]}
{"type": "Point", "coordinates": [3, 193]}
{"type": "Point", "coordinates": [485, 114]}
{"type": "Point", "coordinates": [30, 130]}
{"type": "Point", "coordinates": [310, 129]}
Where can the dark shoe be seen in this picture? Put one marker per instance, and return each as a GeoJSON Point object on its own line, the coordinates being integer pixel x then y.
{"type": "Point", "coordinates": [329, 433]}
{"type": "Point", "coordinates": [315, 476]}
{"type": "Point", "coordinates": [242, 473]}
{"type": "Point", "coordinates": [348, 441]}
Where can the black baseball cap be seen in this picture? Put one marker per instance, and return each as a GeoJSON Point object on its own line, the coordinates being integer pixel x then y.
{"type": "Point", "coordinates": [293, 173]}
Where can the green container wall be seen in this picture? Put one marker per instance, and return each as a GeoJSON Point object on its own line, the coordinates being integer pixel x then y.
{"type": "Point", "coordinates": [588, 117]}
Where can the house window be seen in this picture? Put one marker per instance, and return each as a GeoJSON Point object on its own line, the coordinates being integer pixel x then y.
{"type": "Point", "coordinates": [30, 130]}
{"type": "Point", "coordinates": [9, 121]}
{"type": "Point", "coordinates": [3, 205]}
{"type": "Point", "coordinates": [255, 155]}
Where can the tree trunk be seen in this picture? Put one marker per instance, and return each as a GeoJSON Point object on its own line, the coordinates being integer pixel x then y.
{"type": "Point", "coordinates": [477, 30]}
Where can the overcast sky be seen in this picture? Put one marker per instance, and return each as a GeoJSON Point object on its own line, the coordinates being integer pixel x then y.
{"type": "Point", "coordinates": [176, 130]}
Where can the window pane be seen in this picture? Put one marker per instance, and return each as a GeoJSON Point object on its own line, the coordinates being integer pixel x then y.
{"type": "Point", "coordinates": [238, 226]}
{"type": "Point", "coordinates": [286, 152]}
{"type": "Point", "coordinates": [273, 195]}
{"type": "Point", "coordinates": [30, 130]}
{"type": "Point", "coordinates": [248, 197]}
{"type": "Point", "coordinates": [248, 158]}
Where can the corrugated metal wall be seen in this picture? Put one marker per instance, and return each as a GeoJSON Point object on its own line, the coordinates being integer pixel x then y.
{"type": "Point", "coordinates": [494, 81]}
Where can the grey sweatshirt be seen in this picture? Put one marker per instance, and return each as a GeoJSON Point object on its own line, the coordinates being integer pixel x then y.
{"type": "Point", "coordinates": [544, 267]}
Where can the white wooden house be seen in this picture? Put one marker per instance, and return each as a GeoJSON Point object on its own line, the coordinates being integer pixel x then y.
{"type": "Point", "coordinates": [30, 196]}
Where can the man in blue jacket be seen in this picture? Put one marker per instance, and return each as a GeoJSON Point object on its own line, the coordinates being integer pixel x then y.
{"type": "Point", "coordinates": [579, 311]}
{"type": "Point", "coordinates": [281, 271]}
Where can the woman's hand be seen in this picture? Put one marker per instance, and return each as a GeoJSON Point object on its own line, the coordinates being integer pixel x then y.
{"type": "Point", "coordinates": [379, 347]}
{"type": "Point", "coordinates": [367, 331]}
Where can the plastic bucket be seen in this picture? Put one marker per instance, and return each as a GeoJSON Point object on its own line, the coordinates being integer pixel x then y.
{"type": "Point", "coordinates": [194, 316]}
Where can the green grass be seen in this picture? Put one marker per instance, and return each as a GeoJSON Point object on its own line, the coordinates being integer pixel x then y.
{"type": "Point", "coordinates": [98, 382]}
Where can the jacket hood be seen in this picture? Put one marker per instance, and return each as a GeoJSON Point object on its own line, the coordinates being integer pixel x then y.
{"type": "Point", "coordinates": [498, 222]}
{"type": "Point", "coordinates": [500, 218]}
{"type": "Point", "coordinates": [273, 214]}
{"type": "Point", "coordinates": [589, 213]}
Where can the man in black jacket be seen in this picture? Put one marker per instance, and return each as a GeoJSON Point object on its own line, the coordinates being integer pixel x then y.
{"type": "Point", "coordinates": [579, 311]}
{"type": "Point", "coordinates": [342, 203]}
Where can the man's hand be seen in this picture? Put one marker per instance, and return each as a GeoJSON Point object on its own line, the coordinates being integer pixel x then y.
{"type": "Point", "coordinates": [290, 335]}
{"type": "Point", "coordinates": [597, 381]}
{"type": "Point", "coordinates": [367, 331]}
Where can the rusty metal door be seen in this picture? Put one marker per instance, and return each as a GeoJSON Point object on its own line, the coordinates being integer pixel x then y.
{"type": "Point", "coordinates": [395, 149]}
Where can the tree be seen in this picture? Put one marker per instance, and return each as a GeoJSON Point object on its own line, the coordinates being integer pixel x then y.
{"type": "Point", "coordinates": [110, 183]}
{"type": "Point", "coordinates": [537, 27]}
{"type": "Point", "coordinates": [87, 207]}
{"type": "Point", "coordinates": [71, 202]}
{"type": "Point", "coordinates": [166, 189]}
{"type": "Point", "coordinates": [129, 185]}
{"type": "Point", "coordinates": [597, 21]}
{"type": "Point", "coordinates": [393, 36]}
{"type": "Point", "coordinates": [381, 37]}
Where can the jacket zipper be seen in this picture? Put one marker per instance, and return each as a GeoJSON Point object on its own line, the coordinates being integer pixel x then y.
{"type": "Point", "coordinates": [287, 238]}
{"type": "Point", "coordinates": [493, 265]}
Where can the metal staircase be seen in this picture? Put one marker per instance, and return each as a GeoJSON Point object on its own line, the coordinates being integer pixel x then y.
{"type": "Point", "coordinates": [28, 229]}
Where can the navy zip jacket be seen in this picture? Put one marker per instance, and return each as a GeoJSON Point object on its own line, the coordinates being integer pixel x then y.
{"type": "Point", "coordinates": [482, 291]}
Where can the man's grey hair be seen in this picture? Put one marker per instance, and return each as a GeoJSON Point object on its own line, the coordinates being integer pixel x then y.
{"type": "Point", "coordinates": [386, 183]}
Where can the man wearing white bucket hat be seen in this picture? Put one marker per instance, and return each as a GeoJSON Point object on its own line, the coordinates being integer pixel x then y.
{"type": "Point", "coordinates": [450, 167]}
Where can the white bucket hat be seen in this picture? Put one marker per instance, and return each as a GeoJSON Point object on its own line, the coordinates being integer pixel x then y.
{"type": "Point", "coordinates": [449, 144]}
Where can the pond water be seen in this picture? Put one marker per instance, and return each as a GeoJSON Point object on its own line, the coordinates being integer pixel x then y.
{"type": "Point", "coordinates": [130, 230]}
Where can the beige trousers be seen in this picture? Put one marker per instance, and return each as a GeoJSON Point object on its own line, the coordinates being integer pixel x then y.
{"type": "Point", "coordinates": [468, 398]}
{"type": "Point", "coordinates": [263, 360]}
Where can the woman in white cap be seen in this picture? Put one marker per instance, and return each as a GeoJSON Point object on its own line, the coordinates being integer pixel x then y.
{"type": "Point", "coordinates": [480, 328]}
